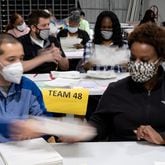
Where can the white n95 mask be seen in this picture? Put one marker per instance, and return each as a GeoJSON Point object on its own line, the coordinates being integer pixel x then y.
{"type": "Point", "coordinates": [44, 33]}
{"type": "Point", "coordinates": [22, 27]}
{"type": "Point", "coordinates": [12, 72]}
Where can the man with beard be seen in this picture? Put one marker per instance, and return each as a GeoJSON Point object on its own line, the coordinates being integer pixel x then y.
{"type": "Point", "coordinates": [43, 53]}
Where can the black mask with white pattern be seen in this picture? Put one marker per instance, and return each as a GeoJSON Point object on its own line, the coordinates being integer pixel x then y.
{"type": "Point", "coordinates": [142, 71]}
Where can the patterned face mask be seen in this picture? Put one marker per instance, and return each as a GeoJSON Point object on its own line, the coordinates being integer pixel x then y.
{"type": "Point", "coordinates": [142, 71]}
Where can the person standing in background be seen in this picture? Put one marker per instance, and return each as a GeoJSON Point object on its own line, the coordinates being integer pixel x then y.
{"type": "Point", "coordinates": [149, 16]}
{"type": "Point", "coordinates": [84, 24]}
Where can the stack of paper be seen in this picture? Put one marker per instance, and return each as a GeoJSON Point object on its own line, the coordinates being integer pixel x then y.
{"type": "Point", "coordinates": [61, 83]}
{"type": "Point", "coordinates": [68, 43]}
{"type": "Point", "coordinates": [101, 74]}
{"type": "Point", "coordinates": [66, 74]}
{"type": "Point", "coordinates": [29, 152]}
{"type": "Point", "coordinates": [39, 77]}
{"type": "Point", "coordinates": [110, 56]}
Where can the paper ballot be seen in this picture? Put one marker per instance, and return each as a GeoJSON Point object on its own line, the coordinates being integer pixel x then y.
{"type": "Point", "coordinates": [101, 74]}
{"type": "Point", "coordinates": [159, 163]}
{"type": "Point", "coordinates": [29, 152]}
{"type": "Point", "coordinates": [61, 83]}
{"type": "Point", "coordinates": [68, 43]}
{"type": "Point", "coordinates": [72, 128]}
{"type": "Point", "coordinates": [66, 74]}
{"type": "Point", "coordinates": [105, 55]}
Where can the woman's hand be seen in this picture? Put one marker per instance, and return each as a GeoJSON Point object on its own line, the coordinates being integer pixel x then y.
{"type": "Point", "coordinates": [78, 46]}
{"type": "Point", "coordinates": [149, 134]}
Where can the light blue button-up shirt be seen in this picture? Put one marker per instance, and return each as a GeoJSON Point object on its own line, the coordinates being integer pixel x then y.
{"type": "Point", "coordinates": [22, 100]}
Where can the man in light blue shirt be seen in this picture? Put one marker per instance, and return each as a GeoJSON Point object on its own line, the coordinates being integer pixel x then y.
{"type": "Point", "coordinates": [19, 96]}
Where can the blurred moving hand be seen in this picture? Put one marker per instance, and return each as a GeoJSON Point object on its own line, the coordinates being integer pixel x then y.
{"type": "Point", "coordinates": [23, 129]}
{"type": "Point", "coordinates": [78, 46]}
{"type": "Point", "coordinates": [88, 133]}
{"type": "Point", "coordinates": [51, 54]}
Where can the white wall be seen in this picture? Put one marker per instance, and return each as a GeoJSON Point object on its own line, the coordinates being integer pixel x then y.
{"type": "Point", "coordinates": [161, 7]}
{"type": "Point", "coordinates": [92, 8]}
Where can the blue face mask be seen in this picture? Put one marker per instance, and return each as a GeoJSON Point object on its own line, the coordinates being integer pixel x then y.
{"type": "Point", "coordinates": [106, 34]}
{"type": "Point", "coordinates": [72, 29]}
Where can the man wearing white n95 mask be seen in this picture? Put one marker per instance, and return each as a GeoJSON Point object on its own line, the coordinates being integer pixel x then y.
{"type": "Point", "coordinates": [19, 96]}
{"type": "Point", "coordinates": [12, 72]}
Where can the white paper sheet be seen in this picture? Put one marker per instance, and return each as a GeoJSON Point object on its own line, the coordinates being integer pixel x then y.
{"type": "Point", "coordinates": [104, 55]}
{"type": "Point", "coordinates": [61, 82]}
{"type": "Point", "coordinates": [68, 43]}
{"type": "Point", "coordinates": [30, 152]}
{"type": "Point", "coordinates": [66, 74]}
{"type": "Point", "coordinates": [71, 128]}
{"type": "Point", "coordinates": [101, 74]}
{"type": "Point", "coordinates": [75, 54]}
{"type": "Point", "coordinates": [39, 77]}
{"type": "Point", "coordinates": [89, 84]}
{"type": "Point", "coordinates": [159, 163]}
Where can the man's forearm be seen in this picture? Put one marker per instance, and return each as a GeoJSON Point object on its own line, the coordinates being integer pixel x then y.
{"type": "Point", "coordinates": [33, 63]}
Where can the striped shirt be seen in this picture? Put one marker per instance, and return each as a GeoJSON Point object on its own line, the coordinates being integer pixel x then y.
{"type": "Point", "coordinates": [88, 53]}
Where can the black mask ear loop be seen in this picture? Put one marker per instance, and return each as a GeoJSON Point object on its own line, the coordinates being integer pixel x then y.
{"type": "Point", "coordinates": [38, 34]}
{"type": "Point", "coordinates": [1, 66]}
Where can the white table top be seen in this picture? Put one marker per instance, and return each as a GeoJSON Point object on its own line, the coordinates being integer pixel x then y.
{"type": "Point", "coordinates": [111, 153]}
{"type": "Point", "coordinates": [95, 86]}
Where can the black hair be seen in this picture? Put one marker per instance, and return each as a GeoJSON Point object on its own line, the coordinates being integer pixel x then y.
{"type": "Point", "coordinates": [163, 23]}
{"type": "Point", "coordinates": [149, 16]}
{"type": "Point", "coordinates": [36, 15]}
{"type": "Point", "coordinates": [82, 13]}
{"type": "Point", "coordinates": [12, 21]}
{"type": "Point", "coordinates": [75, 16]}
{"type": "Point", "coordinates": [117, 33]}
